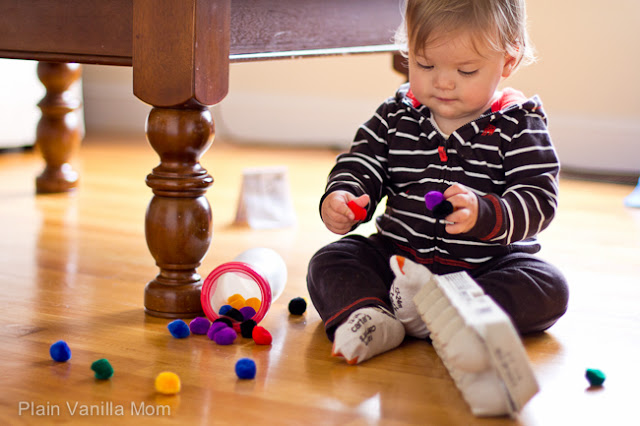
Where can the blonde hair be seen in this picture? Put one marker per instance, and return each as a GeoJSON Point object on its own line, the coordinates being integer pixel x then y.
{"type": "Point", "coordinates": [501, 24]}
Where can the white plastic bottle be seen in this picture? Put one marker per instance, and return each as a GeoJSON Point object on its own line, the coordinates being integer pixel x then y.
{"type": "Point", "coordinates": [257, 272]}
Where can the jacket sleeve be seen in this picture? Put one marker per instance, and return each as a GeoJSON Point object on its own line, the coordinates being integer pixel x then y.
{"type": "Point", "coordinates": [363, 170]}
{"type": "Point", "coordinates": [530, 199]}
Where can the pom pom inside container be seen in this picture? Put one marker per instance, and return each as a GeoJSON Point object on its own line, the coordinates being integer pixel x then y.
{"type": "Point", "coordinates": [256, 273]}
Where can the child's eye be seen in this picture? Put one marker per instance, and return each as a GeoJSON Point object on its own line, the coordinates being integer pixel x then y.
{"type": "Point", "coordinates": [425, 67]}
{"type": "Point", "coordinates": [467, 73]}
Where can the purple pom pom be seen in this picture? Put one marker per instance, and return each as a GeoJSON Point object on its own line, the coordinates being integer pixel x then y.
{"type": "Point", "coordinates": [179, 329]}
{"type": "Point", "coordinates": [215, 328]}
{"type": "Point", "coordinates": [247, 312]}
{"type": "Point", "coordinates": [226, 336]}
{"type": "Point", "coordinates": [433, 198]}
{"type": "Point", "coordinates": [199, 325]}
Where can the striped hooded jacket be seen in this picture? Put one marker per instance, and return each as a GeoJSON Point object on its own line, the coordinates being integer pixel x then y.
{"type": "Point", "coordinates": [506, 156]}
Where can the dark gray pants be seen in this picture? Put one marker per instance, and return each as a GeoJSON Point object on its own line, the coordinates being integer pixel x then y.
{"type": "Point", "coordinates": [354, 272]}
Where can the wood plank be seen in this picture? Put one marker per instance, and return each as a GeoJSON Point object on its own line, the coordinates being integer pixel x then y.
{"type": "Point", "coordinates": [101, 31]}
{"type": "Point", "coordinates": [73, 268]}
{"type": "Point", "coordinates": [69, 30]}
{"type": "Point", "coordinates": [193, 37]}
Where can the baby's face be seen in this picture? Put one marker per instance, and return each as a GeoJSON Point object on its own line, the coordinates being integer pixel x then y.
{"type": "Point", "coordinates": [456, 79]}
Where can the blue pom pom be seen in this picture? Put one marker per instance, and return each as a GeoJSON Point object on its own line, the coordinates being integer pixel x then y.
{"type": "Point", "coordinates": [224, 309]}
{"type": "Point", "coordinates": [245, 368]}
{"type": "Point", "coordinates": [60, 351]}
{"type": "Point", "coordinates": [179, 329]}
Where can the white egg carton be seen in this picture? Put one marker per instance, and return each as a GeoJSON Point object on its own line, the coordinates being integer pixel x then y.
{"type": "Point", "coordinates": [478, 345]}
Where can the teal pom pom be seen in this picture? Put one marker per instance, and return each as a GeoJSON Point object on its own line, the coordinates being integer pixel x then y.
{"type": "Point", "coordinates": [595, 377]}
{"type": "Point", "coordinates": [102, 369]}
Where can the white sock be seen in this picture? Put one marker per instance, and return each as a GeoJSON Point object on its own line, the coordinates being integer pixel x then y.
{"type": "Point", "coordinates": [367, 332]}
{"type": "Point", "coordinates": [410, 278]}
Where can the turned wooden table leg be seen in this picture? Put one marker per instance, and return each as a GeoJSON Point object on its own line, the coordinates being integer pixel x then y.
{"type": "Point", "coordinates": [178, 220]}
{"type": "Point", "coordinates": [180, 67]}
{"type": "Point", "coordinates": [59, 131]}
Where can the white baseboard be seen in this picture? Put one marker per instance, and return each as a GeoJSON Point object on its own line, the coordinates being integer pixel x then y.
{"type": "Point", "coordinates": [19, 113]}
{"type": "Point", "coordinates": [598, 144]}
{"type": "Point", "coordinates": [583, 142]}
{"type": "Point", "coordinates": [112, 108]}
{"type": "Point", "coordinates": [290, 119]}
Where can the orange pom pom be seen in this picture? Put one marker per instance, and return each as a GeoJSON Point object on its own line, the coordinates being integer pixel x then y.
{"type": "Point", "coordinates": [254, 302]}
{"type": "Point", "coordinates": [168, 383]}
{"type": "Point", "coordinates": [236, 301]}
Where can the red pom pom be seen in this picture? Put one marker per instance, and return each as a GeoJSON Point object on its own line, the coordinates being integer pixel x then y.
{"type": "Point", "coordinates": [359, 212]}
{"type": "Point", "coordinates": [261, 336]}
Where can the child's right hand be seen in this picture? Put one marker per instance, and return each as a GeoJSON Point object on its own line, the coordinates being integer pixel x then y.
{"type": "Point", "coordinates": [336, 215]}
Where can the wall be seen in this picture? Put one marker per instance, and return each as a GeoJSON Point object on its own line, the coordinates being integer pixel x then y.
{"type": "Point", "coordinates": [19, 114]}
{"type": "Point", "coordinates": [585, 75]}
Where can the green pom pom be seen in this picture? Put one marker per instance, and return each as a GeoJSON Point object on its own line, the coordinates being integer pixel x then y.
{"type": "Point", "coordinates": [595, 377]}
{"type": "Point", "coordinates": [102, 368]}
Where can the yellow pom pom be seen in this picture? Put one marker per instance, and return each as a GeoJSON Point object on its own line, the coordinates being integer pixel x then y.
{"type": "Point", "coordinates": [168, 383]}
{"type": "Point", "coordinates": [236, 301]}
{"type": "Point", "coordinates": [254, 302]}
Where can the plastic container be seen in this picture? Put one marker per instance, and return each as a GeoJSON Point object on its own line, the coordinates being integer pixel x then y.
{"type": "Point", "coordinates": [257, 272]}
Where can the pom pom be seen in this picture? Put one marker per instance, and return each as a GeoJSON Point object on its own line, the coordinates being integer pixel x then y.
{"type": "Point", "coordinates": [261, 336]}
{"type": "Point", "coordinates": [433, 198]}
{"type": "Point", "coordinates": [215, 327]}
{"type": "Point", "coordinates": [236, 301]}
{"type": "Point", "coordinates": [167, 383]}
{"type": "Point", "coordinates": [436, 202]}
{"type": "Point", "coordinates": [226, 336]}
{"type": "Point", "coordinates": [245, 368]}
{"type": "Point", "coordinates": [443, 210]}
{"type": "Point", "coordinates": [102, 369]}
{"type": "Point", "coordinates": [254, 302]}
{"type": "Point", "coordinates": [359, 212]}
{"type": "Point", "coordinates": [199, 325]}
{"type": "Point", "coordinates": [224, 309]}
{"type": "Point", "coordinates": [235, 314]}
{"type": "Point", "coordinates": [246, 328]}
{"type": "Point", "coordinates": [247, 313]}
{"type": "Point", "coordinates": [224, 320]}
{"type": "Point", "coordinates": [595, 377]}
{"type": "Point", "coordinates": [297, 306]}
{"type": "Point", "coordinates": [60, 351]}
{"type": "Point", "coordinates": [179, 329]}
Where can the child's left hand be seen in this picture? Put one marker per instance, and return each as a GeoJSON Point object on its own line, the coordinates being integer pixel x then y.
{"type": "Point", "coordinates": [465, 209]}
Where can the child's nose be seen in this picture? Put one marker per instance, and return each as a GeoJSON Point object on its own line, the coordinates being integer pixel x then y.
{"type": "Point", "coordinates": [444, 81]}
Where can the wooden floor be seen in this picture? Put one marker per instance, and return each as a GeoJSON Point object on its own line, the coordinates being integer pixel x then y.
{"type": "Point", "coordinates": [73, 267]}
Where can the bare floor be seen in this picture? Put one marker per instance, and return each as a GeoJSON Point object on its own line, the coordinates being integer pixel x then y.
{"type": "Point", "coordinates": [73, 267]}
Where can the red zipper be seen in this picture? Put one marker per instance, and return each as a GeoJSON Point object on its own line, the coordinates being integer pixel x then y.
{"type": "Point", "coordinates": [443, 154]}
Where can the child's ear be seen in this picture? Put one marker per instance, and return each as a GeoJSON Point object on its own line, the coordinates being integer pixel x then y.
{"type": "Point", "coordinates": [509, 66]}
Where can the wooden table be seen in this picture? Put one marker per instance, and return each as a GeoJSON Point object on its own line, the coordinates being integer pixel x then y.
{"type": "Point", "coordinates": [180, 51]}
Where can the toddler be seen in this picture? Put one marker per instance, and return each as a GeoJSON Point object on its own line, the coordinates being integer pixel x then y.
{"type": "Point", "coordinates": [450, 130]}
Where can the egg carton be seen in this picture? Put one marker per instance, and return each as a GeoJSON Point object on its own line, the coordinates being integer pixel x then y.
{"type": "Point", "coordinates": [478, 345]}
